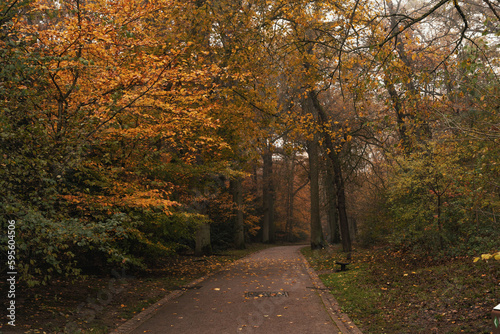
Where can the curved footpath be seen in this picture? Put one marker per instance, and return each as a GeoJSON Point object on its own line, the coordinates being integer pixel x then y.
{"type": "Point", "coordinates": [271, 291]}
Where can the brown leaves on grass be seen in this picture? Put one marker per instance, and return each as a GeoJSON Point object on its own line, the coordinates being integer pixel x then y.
{"type": "Point", "coordinates": [394, 292]}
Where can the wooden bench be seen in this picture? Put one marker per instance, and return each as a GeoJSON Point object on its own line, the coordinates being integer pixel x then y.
{"type": "Point", "coordinates": [343, 265]}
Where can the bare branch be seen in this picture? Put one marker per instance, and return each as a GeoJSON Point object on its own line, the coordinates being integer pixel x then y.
{"type": "Point", "coordinates": [492, 9]}
{"type": "Point", "coordinates": [412, 21]}
{"type": "Point", "coordinates": [462, 35]}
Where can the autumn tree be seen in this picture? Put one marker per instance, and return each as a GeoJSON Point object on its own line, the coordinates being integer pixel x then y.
{"type": "Point", "coordinates": [420, 66]}
{"type": "Point", "coordinates": [120, 120]}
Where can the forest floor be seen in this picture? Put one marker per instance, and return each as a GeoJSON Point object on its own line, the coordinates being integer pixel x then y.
{"type": "Point", "coordinates": [102, 303]}
{"type": "Point", "coordinates": [389, 292]}
{"type": "Point", "coordinates": [383, 292]}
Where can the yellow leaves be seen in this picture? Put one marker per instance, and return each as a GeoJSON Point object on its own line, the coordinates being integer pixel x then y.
{"type": "Point", "coordinates": [110, 63]}
{"type": "Point", "coordinates": [485, 257]}
{"type": "Point", "coordinates": [40, 7]}
{"type": "Point", "coordinates": [124, 189]}
{"type": "Point", "coordinates": [149, 198]}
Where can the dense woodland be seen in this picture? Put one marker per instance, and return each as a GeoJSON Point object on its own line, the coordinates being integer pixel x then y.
{"type": "Point", "coordinates": [134, 130]}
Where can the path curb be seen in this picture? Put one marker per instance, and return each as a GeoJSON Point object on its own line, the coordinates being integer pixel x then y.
{"type": "Point", "coordinates": [140, 318]}
{"type": "Point", "coordinates": [342, 320]}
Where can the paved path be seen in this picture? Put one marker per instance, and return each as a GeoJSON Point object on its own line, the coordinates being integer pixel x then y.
{"type": "Point", "coordinates": [284, 298]}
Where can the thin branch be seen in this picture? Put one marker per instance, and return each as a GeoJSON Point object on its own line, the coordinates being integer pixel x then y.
{"type": "Point", "coordinates": [7, 10]}
{"type": "Point", "coordinates": [128, 105]}
{"type": "Point", "coordinates": [394, 34]}
{"type": "Point", "coordinates": [300, 188]}
{"type": "Point", "coordinates": [339, 66]}
{"type": "Point", "coordinates": [492, 9]}
{"type": "Point", "coordinates": [462, 35]}
{"type": "Point", "coordinates": [485, 57]}
{"type": "Point", "coordinates": [253, 104]}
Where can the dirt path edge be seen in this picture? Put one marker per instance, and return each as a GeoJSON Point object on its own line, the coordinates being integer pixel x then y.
{"type": "Point", "coordinates": [342, 320]}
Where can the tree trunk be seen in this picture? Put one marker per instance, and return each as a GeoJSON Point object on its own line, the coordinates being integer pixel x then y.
{"type": "Point", "coordinates": [268, 227]}
{"type": "Point", "coordinates": [337, 176]}
{"type": "Point", "coordinates": [239, 226]}
{"type": "Point", "coordinates": [341, 202]}
{"type": "Point", "coordinates": [317, 239]}
{"type": "Point", "coordinates": [290, 196]}
{"type": "Point", "coordinates": [332, 216]}
{"type": "Point", "coordinates": [410, 127]}
{"type": "Point", "coordinates": [439, 223]}
{"type": "Point", "coordinates": [203, 246]}
{"type": "Point", "coordinates": [400, 116]}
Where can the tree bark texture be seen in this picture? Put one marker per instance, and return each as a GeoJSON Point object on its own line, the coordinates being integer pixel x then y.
{"type": "Point", "coordinates": [268, 228]}
{"type": "Point", "coordinates": [317, 238]}
{"type": "Point", "coordinates": [203, 246]}
{"type": "Point", "coordinates": [337, 175]}
{"type": "Point", "coordinates": [239, 224]}
{"type": "Point", "coordinates": [290, 196]}
{"type": "Point", "coordinates": [331, 198]}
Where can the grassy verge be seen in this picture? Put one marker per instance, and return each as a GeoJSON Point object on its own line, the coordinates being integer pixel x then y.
{"type": "Point", "coordinates": [98, 304]}
{"type": "Point", "coordinates": [386, 292]}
